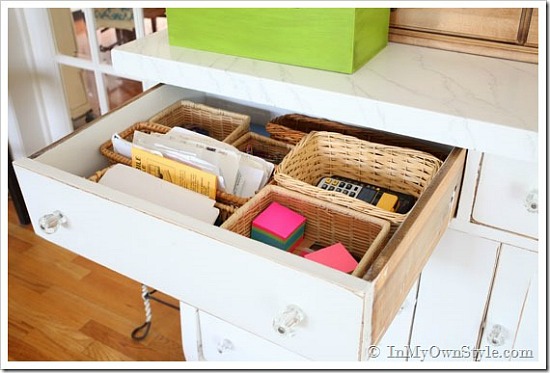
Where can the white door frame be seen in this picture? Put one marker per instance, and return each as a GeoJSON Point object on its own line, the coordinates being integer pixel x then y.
{"type": "Point", "coordinates": [34, 73]}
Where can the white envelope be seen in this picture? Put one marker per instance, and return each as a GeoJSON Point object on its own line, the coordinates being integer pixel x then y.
{"type": "Point", "coordinates": [163, 193]}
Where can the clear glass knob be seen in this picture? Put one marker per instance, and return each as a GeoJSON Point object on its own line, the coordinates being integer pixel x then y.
{"type": "Point", "coordinates": [532, 201]}
{"type": "Point", "coordinates": [50, 222]}
{"type": "Point", "coordinates": [497, 335]}
{"type": "Point", "coordinates": [286, 322]}
{"type": "Point", "coordinates": [225, 345]}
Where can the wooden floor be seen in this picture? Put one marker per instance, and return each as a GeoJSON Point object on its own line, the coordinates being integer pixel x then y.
{"type": "Point", "coordinates": [62, 307]}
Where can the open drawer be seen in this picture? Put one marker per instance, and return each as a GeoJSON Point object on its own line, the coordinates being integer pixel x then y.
{"type": "Point", "coordinates": [243, 282]}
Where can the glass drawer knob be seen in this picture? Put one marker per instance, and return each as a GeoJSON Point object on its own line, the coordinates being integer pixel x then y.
{"type": "Point", "coordinates": [50, 222]}
{"type": "Point", "coordinates": [224, 346]}
{"type": "Point", "coordinates": [497, 335]}
{"type": "Point", "coordinates": [285, 324]}
{"type": "Point", "coordinates": [532, 201]}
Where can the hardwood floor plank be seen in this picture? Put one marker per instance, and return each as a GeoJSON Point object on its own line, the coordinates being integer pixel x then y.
{"type": "Point", "coordinates": [63, 307]}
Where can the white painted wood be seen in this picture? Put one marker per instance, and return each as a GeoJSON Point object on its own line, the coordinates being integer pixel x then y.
{"type": "Point", "coordinates": [516, 267]}
{"type": "Point", "coordinates": [398, 335]}
{"type": "Point", "coordinates": [245, 282]}
{"type": "Point", "coordinates": [526, 345]}
{"type": "Point", "coordinates": [190, 332]}
{"type": "Point", "coordinates": [490, 233]}
{"type": "Point", "coordinates": [504, 184]}
{"type": "Point", "coordinates": [222, 341]}
{"type": "Point", "coordinates": [468, 190]}
{"type": "Point", "coordinates": [446, 97]}
{"type": "Point", "coordinates": [26, 111]}
{"type": "Point", "coordinates": [453, 291]}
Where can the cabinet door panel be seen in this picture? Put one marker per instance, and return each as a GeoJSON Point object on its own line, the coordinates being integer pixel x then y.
{"type": "Point", "coordinates": [492, 24]}
{"type": "Point", "coordinates": [454, 288]}
{"type": "Point", "coordinates": [516, 267]}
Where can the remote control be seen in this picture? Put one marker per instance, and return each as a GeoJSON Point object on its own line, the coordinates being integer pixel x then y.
{"type": "Point", "coordinates": [380, 197]}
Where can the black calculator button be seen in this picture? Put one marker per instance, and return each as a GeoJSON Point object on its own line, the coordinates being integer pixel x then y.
{"type": "Point", "coordinates": [324, 186]}
{"type": "Point", "coordinates": [352, 194]}
{"type": "Point", "coordinates": [345, 191]}
{"type": "Point", "coordinates": [342, 184]}
{"type": "Point", "coordinates": [348, 186]}
{"type": "Point", "coordinates": [331, 188]}
{"type": "Point", "coordinates": [338, 190]}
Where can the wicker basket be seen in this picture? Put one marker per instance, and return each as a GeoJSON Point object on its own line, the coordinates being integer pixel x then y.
{"type": "Point", "coordinates": [149, 127]}
{"type": "Point", "coordinates": [321, 154]}
{"type": "Point", "coordinates": [107, 147]}
{"type": "Point", "coordinates": [225, 210]}
{"type": "Point", "coordinates": [291, 128]}
{"type": "Point", "coordinates": [219, 124]}
{"type": "Point", "coordinates": [271, 150]}
{"type": "Point", "coordinates": [363, 235]}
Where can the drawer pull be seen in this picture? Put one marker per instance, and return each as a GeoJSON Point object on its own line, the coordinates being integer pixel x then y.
{"type": "Point", "coordinates": [224, 346]}
{"type": "Point", "coordinates": [497, 335]}
{"type": "Point", "coordinates": [532, 201]}
{"type": "Point", "coordinates": [50, 222]}
{"type": "Point", "coordinates": [286, 322]}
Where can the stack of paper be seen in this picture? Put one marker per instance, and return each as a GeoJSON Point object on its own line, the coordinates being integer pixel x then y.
{"type": "Point", "coordinates": [196, 161]}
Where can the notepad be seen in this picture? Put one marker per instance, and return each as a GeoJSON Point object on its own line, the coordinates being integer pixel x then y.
{"type": "Point", "coordinates": [278, 226]}
{"type": "Point", "coordinates": [335, 256]}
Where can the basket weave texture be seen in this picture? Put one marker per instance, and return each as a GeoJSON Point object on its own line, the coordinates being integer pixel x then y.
{"type": "Point", "coordinates": [225, 210]}
{"type": "Point", "coordinates": [321, 154]}
{"type": "Point", "coordinates": [291, 128]}
{"type": "Point", "coordinates": [269, 149]}
{"type": "Point", "coordinates": [107, 147]}
{"type": "Point", "coordinates": [219, 124]}
{"type": "Point", "coordinates": [363, 235]}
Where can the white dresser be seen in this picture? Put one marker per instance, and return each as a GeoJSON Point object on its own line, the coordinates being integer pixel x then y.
{"type": "Point", "coordinates": [459, 293]}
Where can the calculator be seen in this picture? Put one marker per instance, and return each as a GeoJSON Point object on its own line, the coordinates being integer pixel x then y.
{"type": "Point", "coordinates": [380, 197]}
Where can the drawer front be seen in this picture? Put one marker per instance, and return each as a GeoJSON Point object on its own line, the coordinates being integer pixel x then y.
{"type": "Point", "coordinates": [222, 341]}
{"type": "Point", "coordinates": [505, 186]}
{"type": "Point", "coordinates": [246, 289]}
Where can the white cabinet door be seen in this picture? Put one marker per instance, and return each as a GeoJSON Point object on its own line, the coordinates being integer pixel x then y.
{"type": "Point", "coordinates": [516, 270]}
{"type": "Point", "coordinates": [526, 345]}
{"type": "Point", "coordinates": [504, 187]}
{"type": "Point", "coordinates": [454, 288]}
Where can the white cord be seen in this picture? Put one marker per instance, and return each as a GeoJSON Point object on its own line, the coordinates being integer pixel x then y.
{"type": "Point", "coordinates": [146, 303]}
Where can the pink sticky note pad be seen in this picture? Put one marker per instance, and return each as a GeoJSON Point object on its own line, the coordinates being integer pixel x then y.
{"type": "Point", "coordinates": [335, 256]}
{"type": "Point", "coordinates": [278, 220]}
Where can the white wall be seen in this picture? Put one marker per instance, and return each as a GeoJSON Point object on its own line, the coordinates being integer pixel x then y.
{"type": "Point", "coordinates": [37, 113]}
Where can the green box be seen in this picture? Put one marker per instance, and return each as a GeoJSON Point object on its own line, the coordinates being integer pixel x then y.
{"type": "Point", "coordinates": [332, 39]}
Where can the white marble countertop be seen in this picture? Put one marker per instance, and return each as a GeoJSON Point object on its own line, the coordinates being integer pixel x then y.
{"type": "Point", "coordinates": [480, 103]}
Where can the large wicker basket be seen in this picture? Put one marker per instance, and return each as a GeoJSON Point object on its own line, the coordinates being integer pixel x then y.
{"type": "Point", "coordinates": [291, 128]}
{"type": "Point", "coordinates": [322, 154]}
{"type": "Point", "coordinates": [363, 235]}
{"type": "Point", "coordinates": [225, 210]}
{"type": "Point", "coordinates": [219, 124]}
{"type": "Point", "coordinates": [149, 127]}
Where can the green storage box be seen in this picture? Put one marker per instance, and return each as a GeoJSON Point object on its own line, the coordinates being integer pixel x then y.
{"type": "Point", "coordinates": [332, 39]}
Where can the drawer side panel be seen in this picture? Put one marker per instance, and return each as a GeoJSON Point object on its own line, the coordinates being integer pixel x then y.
{"type": "Point", "coordinates": [402, 260]}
